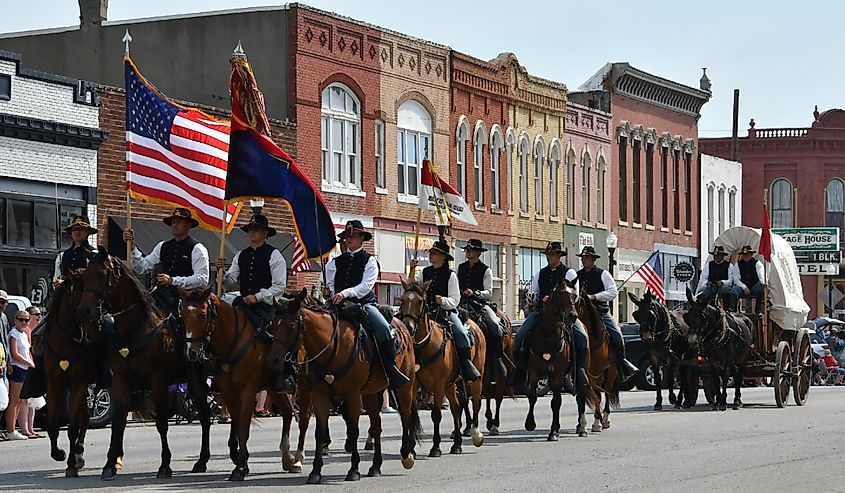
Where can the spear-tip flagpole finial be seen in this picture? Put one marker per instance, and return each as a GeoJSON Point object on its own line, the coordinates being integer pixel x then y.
{"type": "Point", "coordinates": [239, 50]}
{"type": "Point", "coordinates": [127, 38]}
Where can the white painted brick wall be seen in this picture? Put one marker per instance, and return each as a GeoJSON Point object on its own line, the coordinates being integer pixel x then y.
{"type": "Point", "coordinates": [45, 101]}
{"type": "Point", "coordinates": [51, 163]}
{"type": "Point", "coordinates": [719, 173]}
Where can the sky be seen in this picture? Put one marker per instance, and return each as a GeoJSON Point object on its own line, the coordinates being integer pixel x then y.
{"type": "Point", "coordinates": [784, 56]}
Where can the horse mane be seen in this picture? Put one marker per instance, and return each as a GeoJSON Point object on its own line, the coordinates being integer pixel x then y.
{"type": "Point", "coordinates": [596, 326]}
{"type": "Point", "coordinates": [150, 310]}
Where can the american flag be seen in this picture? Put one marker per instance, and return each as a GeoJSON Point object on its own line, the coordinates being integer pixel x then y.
{"type": "Point", "coordinates": [175, 155]}
{"type": "Point", "coordinates": [299, 263]}
{"type": "Point", "coordinates": [652, 274]}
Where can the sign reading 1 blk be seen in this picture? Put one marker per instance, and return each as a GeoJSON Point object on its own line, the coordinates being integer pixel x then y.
{"type": "Point", "coordinates": [816, 249]}
{"type": "Point", "coordinates": [684, 272]}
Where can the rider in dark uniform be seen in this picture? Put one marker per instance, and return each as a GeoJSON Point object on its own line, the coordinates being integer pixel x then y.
{"type": "Point", "coordinates": [183, 260]}
{"type": "Point", "coordinates": [749, 277]}
{"type": "Point", "coordinates": [717, 278]}
{"type": "Point", "coordinates": [444, 294]}
{"type": "Point", "coordinates": [352, 278]}
{"type": "Point", "coordinates": [601, 289]}
{"type": "Point", "coordinates": [475, 280]}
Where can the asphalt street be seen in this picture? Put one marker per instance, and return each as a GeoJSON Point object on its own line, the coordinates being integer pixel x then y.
{"type": "Point", "coordinates": [758, 448]}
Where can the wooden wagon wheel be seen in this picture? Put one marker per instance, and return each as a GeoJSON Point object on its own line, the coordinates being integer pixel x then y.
{"type": "Point", "coordinates": [782, 377]}
{"type": "Point", "coordinates": [803, 369]}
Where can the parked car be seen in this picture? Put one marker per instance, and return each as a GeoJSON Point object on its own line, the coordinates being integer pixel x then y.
{"type": "Point", "coordinates": [819, 327]}
{"type": "Point", "coordinates": [14, 305]}
{"type": "Point", "coordinates": [637, 352]}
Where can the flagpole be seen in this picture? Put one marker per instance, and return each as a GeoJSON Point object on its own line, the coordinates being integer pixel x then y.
{"type": "Point", "coordinates": [638, 269]}
{"type": "Point", "coordinates": [413, 271]}
{"type": "Point", "coordinates": [765, 321]}
{"type": "Point", "coordinates": [222, 248]}
{"type": "Point", "coordinates": [319, 243]}
{"type": "Point", "coordinates": [129, 244]}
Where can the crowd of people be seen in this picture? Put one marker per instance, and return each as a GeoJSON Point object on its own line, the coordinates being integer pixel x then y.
{"type": "Point", "coordinates": [831, 365]}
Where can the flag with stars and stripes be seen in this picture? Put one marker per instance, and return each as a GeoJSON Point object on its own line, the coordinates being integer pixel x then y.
{"type": "Point", "coordinates": [298, 262]}
{"type": "Point", "coordinates": [652, 273]}
{"type": "Point", "coordinates": [175, 155]}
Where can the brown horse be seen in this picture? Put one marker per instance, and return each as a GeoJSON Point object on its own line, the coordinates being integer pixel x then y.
{"type": "Point", "coordinates": [338, 365]}
{"type": "Point", "coordinates": [224, 339]}
{"type": "Point", "coordinates": [143, 355]}
{"type": "Point", "coordinates": [603, 374]}
{"type": "Point", "coordinates": [550, 356]}
{"type": "Point", "coordinates": [68, 365]}
{"type": "Point", "coordinates": [438, 364]}
{"type": "Point", "coordinates": [495, 386]}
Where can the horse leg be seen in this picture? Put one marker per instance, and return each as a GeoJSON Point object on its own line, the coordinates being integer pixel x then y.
{"type": "Point", "coordinates": [436, 417]}
{"type": "Point", "coordinates": [581, 401]}
{"type": "Point", "coordinates": [199, 393]}
{"type": "Point", "coordinates": [246, 401]}
{"type": "Point", "coordinates": [287, 418]}
{"type": "Point", "coordinates": [369, 444]}
{"type": "Point", "coordinates": [321, 405]}
{"type": "Point", "coordinates": [494, 430]}
{"type": "Point", "coordinates": [554, 432]}
{"type": "Point", "coordinates": [463, 399]}
{"type": "Point", "coordinates": [488, 413]}
{"type": "Point", "coordinates": [723, 396]}
{"type": "Point", "coordinates": [605, 420]}
{"type": "Point", "coordinates": [162, 404]}
{"type": "Point", "coordinates": [738, 389]}
{"type": "Point", "coordinates": [304, 418]}
{"type": "Point", "coordinates": [597, 414]}
{"type": "Point", "coordinates": [353, 404]}
{"type": "Point", "coordinates": [76, 428]}
{"type": "Point", "coordinates": [475, 390]}
{"type": "Point", "coordinates": [372, 406]}
{"type": "Point", "coordinates": [118, 428]}
{"type": "Point", "coordinates": [53, 414]}
{"type": "Point", "coordinates": [658, 384]}
{"type": "Point", "coordinates": [530, 423]}
{"type": "Point", "coordinates": [411, 427]}
{"type": "Point", "coordinates": [451, 395]}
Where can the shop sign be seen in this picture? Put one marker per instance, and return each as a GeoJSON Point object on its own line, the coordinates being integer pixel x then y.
{"type": "Point", "coordinates": [425, 244]}
{"type": "Point", "coordinates": [684, 271]}
{"type": "Point", "coordinates": [810, 239]}
{"type": "Point", "coordinates": [585, 239]}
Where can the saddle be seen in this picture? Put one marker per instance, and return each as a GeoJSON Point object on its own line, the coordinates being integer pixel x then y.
{"type": "Point", "coordinates": [354, 314]}
{"type": "Point", "coordinates": [261, 321]}
{"type": "Point", "coordinates": [442, 318]}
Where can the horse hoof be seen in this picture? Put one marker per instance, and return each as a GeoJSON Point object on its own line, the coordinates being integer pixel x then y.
{"type": "Point", "coordinates": [678, 405]}
{"type": "Point", "coordinates": [349, 446]}
{"type": "Point", "coordinates": [467, 432]}
{"type": "Point", "coordinates": [79, 463]}
{"type": "Point", "coordinates": [582, 433]}
{"type": "Point", "coordinates": [456, 450]}
{"type": "Point", "coordinates": [58, 455]}
{"type": "Point", "coordinates": [374, 472]}
{"type": "Point", "coordinates": [296, 468]}
{"type": "Point", "coordinates": [723, 407]}
{"type": "Point", "coordinates": [71, 472]}
{"type": "Point", "coordinates": [326, 451]}
{"type": "Point", "coordinates": [672, 399]}
{"type": "Point", "coordinates": [714, 407]}
{"type": "Point", "coordinates": [287, 463]}
{"type": "Point", "coordinates": [108, 473]}
{"type": "Point", "coordinates": [435, 452]}
{"type": "Point", "coordinates": [119, 463]}
{"type": "Point", "coordinates": [530, 424]}
{"type": "Point", "coordinates": [494, 430]}
{"type": "Point", "coordinates": [408, 462]}
{"type": "Point", "coordinates": [164, 472]}
{"type": "Point", "coordinates": [736, 407]}
{"type": "Point", "coordinates": [490, 425]}
{"type": "Point", "coordinates": [199, 467]}
{"type": "Point", "coordinates": [605, 424]}
{"type": "Point", "coordinates": [454, 435]}
{"type": "Point", "coordinates": [314, 478]}
{"type": "Point", "coordinates": [596, 428]}
{"type": "Point", "coordinates": [552, 437]}
{"type": "Point", "coordinates": [687, 406]}
{"type": "Point", "coordinates": [658, 407]}
{"type": "Point", "coordinates": [237, 475]}
{"type": "Point", "coordinates": [353, 475]}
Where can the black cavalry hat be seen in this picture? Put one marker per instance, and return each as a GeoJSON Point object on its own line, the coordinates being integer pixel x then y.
{"type": "Point", "coordinates": [442, 247]}
{"type": "Point", "coordinates": [181, 213]}
{"type": "Point", "coordinates": [719, 250]}
{"type": "Point", "coordinates": [259, 220]}
{"type": "Point", "coordinates": [554, 247]}
{"type": "Point", "coordinates": [81, 222]}
{"type": "Point", "coordinates": [747, 249]}
{"type": "Point", "coordinates": [355, 227]}
{"type": "Point", "coordinates": [474, 244]}
{"type": "Point", "coordinates": [588, 251]}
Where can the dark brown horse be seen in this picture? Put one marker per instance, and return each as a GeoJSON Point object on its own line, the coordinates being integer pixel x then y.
{"type": "Point", "coordinates": [143, 353]}
{"type": "Point", "coordinates": [495, 386]}
{"type": "Point", "coordinates": [604, 375]}
{"type": "Point", "coordinates": [224, 339]}
{"type": "Point", "coordinates": [550, 356]}
{"type": "Point", "coordinates": [69, 365]}
{"type": "Point", "coordinates": [438, 366]}
{"type": "Point", "coordinates": [337, 364]}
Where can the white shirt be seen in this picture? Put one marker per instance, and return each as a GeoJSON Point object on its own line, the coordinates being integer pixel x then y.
{"type": "Point", "coordinates": [737, 280]}
{"type": "Point", "coordinates": [733, 273]}
{"type": "Point", "coordinates": [199, 263]}
{"type": "Point", "coordinates": [487, 283]}
{"type": "Point", "coordinates": [447, 302]}
{"type": "Point", "coordinates": [22, 341]}
{"type": "Point", "coordinates": [610, 292]}
{"type": "Point", "coordinates": [368, 280]}
{"type": "Point", "coordinates": [571, 275]}
{"type": "Point", "coordinates": [278, 274]}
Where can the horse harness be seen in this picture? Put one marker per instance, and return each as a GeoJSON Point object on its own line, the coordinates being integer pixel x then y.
{"type": "Point", "coordinates": [418, 346]}
{"type": "Point", "coordinates": [672, 331]}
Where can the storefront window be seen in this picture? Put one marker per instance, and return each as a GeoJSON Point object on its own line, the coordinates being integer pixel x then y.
{"type": "Point", "coordinates": [20, 223]}
{"type": "Point", "coordinates": [46, 217]}
{"type": "Point", "coordinates": [490, 257]}
{"type": "Point", "coordinates": [67, 213]}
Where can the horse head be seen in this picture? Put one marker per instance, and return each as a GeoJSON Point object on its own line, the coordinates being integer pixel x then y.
{"type": "Point", "coordinates": [98, 280]}
{"type": "Point", "coordinates": [287, 329]}
{"type": "Point", "coordinates": [412, 307]}
{"type": "Point", "coordinates": [561, 302]}
{"type": "Point", "coordinates": [65, 299]}
{"type": "Point", "coordinates": [199, 314]}
{"type": "Point", "coordinates": [646, 315]}
{"type": "Point", "coordinates": [698, 318]}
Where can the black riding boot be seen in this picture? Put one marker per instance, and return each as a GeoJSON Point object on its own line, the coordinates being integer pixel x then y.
{"type": "Point", "coordinates": [627, 368]}
{"type": "Point", "coordinates": [731, 302]}
{"type": "Point", "coordinates": [468, 370]}
{"type": "Point", "coordinates": [520, 373]}
{"type": "Point", "coordinates": [498, 367]}
{"type": "Point", "coordinates": [395, 378]}
{"type": "Point", "coordinates": [283, 380]}
{"type": "Point", "coordinates": [579, 355]}
{"type": "Point", "coordinates": [758, 306]}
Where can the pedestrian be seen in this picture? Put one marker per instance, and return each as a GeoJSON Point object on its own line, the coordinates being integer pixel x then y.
{"type": "Point", "coordinates": [21, 361]}
{"type": "Point", "coordinates": [26, 414]}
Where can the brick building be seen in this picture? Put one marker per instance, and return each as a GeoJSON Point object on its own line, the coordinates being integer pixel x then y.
{"type": "Point", "coordinates": [655, 206]}
{"type": "Point", "coordinates": [49, 136]}
{"type": "Point", "coordinates": [800, 172]}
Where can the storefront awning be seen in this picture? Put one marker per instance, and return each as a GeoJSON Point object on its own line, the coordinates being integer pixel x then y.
{"type": "Point", "coordinates": [148, 233]}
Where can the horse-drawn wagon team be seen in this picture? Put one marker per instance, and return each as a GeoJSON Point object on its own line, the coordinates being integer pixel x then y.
{"type": "Point", "coordinates": [448, 339]}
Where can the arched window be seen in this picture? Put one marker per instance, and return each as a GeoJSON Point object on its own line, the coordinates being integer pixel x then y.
{"type": "Point", "coordinates": [413, 144]}
{"type": "Point", "coordinates": [586, 164]}
{"type": "Point", "coordinates": [836, 206]}
{"type": "Point", "coordinates": [524, 151]}
{"type": "Point", "coordinates": [711, 216]}
{"type": "Point", "coordinates": [721, 206]}
{"type": "Point", "coordinates": [478, 162]}
{"type": "Point", "coordinates": [340, 142]}
{"type": "Point", "coordinates": [539, 157]}
{"type": "Point", "coordinates": [462, 137]}
{"type": "Point", "coordinates": [496, 146]}
{"type": "Point", "coordinates": [602, 169]}
{"type": "Point", "coordinates": [781, 204]}
{"type": "Point", "coordinates": [554, 165]}
{"type": "Point", "coordinates": [510, 146]}
{"type": "Point", "coordinates": [570, 184]}
{"type": "Point", "coordinates": [732, 208]}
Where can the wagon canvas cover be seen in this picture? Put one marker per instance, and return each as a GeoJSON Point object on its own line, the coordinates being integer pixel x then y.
{"type": "Point", "coordinates": [788, 310]}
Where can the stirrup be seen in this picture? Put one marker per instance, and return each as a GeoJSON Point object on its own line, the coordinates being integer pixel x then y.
{"type": "Point", "coordinates": [395, 378]}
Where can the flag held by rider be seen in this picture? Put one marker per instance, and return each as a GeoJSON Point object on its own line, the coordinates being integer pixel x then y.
{"type": "Point", "coordinates": [437, 195]}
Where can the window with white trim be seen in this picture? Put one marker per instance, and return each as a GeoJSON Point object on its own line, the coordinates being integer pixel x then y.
{"type": "Point", "coordinates": [523, 174]}
{"type": "Point", "coordinates": [835, 195]}
{"type": "Point", "coordinates": [539, 157]}
{"type": "Point", "coordinates": [496, 146]}
{"type": "Point", "coordinates": [381, 179]}
{"type": "Point", "coordinates": [570, 184]}
{"type": "Point", "coordinates": [781, 204]}
{"type": "Point", "coordinates": [602, 169]}
{"type": "Point", "coordinates": [732, 208]}
{"type": "Point", "coordinates": [554, 164]}
{"type": "Point", "coordinates": [478, 164]}
{"type": "Point", "coordinates": [711, 216]}
{"type": "Point", "coordinates": [721, 207]}
{"type": "Point", "coordinates": [586, 163]}
{"type": "Point", "coordinates": [413, 145]}
{"type": "Point", "coordinates": [510, 146]}
{"type": "Point", "coordinates": [340, 142]}
{"type": "Point", "coordinates": [461, 143]}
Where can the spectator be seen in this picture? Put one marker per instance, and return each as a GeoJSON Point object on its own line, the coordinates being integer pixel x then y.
{"type": "Point", "coordinates": [833, 367]}
{"type": "Point", "coordinates": [836, 341]}
{"type": "Point", "coordinates": [26, 415]}
{"type": "Point", "coordinates": [261, 410]}
{"type": "Point", "coordinates": [4, 322]}
{"type": "Point", "coordinates": [21, 360]}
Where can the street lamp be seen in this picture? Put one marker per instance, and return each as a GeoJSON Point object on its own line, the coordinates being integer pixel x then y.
{"type": "Point", "coordinates": [612, 241]}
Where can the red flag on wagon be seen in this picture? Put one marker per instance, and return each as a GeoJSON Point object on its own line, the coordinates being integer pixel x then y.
{"type": "Point", "coordinates": [765, 248]}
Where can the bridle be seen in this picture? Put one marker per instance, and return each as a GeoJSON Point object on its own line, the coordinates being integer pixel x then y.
{"type": "Point", "coordinates": [210, 325]}
{"type": "Point", "coordinates": [113, 277]}
{"type": "Point", "coordinates": [295, 340]}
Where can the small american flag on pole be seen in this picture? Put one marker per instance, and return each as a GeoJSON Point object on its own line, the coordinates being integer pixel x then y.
{"type": "Point", "coordinates": [652, 273]}
{"type": "Point", "coordinates": [299, 263]}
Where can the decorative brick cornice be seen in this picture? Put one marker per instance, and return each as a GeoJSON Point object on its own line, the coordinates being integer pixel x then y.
{"type": "Point", "coordinates": [21, 127]}
{"type": "Point", "coordinates": [83, 91]}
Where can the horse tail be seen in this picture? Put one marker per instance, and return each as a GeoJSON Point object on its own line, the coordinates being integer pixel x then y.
{"type": "Point", "coordinates": [613, 396]}
{"type": "Point", "coordinates": [592, 398]}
